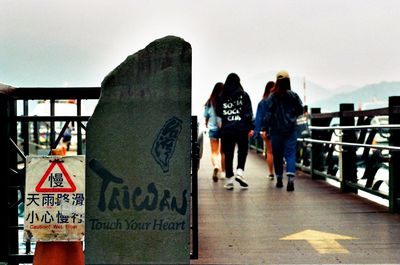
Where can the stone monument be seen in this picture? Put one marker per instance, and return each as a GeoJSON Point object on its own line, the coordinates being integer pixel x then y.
{"type": "Point", "coordinates": [138, 160]}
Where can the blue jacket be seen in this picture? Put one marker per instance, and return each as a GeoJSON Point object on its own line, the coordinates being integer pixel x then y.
{"type": "Point", "coordinates": [259, 120]}
{"type": "Point", "coordinates": [279, 114]}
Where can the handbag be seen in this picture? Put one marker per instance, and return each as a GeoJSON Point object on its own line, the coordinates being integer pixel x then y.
{"type": "Point", "coordinates": [303, 130]}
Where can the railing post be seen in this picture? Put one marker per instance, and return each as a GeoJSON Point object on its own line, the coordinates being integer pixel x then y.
{"type": "Point", "coordinates": [194, 193]}
{"type": "Point", "coordinates": [52, 123]}
{"type": "Point", "coordinates": [317, 159]}
{"type": "Point", "coordinates": [394, 164]}
{"type": "Point", "coordinates": [4, 168]}
{"type": "Point", "coordinates": [349, 170]}
{"type": "Point", "coordinates": [340, 162]}
{"type": "Point", "coordinates": [78, 127]}
{"type": "Point", "coordinates": [25, 129]}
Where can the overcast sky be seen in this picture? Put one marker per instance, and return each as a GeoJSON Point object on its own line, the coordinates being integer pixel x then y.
{"type": "Point", "coordinates": [77, 43]}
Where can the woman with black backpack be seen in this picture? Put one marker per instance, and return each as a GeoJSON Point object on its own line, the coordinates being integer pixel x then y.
{"type": "Point", "coordinates": [235, 116]}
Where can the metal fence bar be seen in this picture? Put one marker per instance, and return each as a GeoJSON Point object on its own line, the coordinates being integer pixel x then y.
{"type": "Point", "coordinates": [52, 123]}
{"type": "Point", "coordinates": [52, 118]}
{"type": "Point", "coordinates": [194, 192]}
{"type": "Point", "coordinates": [19, 151]}
{"type": "Point", "coordinates": [356, 127]}
{"type": "Point", "coordinates": [382, 147]}
{"type": "Point", "coordinates": [4, 167]}
{"type": "Point", "coordinates": [394, 169]}
{"type": "Point", "coordinates": [25, 129]}
{"type": "Point", "coordinates": [60, 135]}
{"type": "Point", "coordinates": [349, 157]}
{"type": "Point", "coordinates": [13, 183]}
{"type": "Point", "coordinates": [369, 190]}
{"type": "Point", "coordinates": [54, 92]}
{"type": "Point", "coordinates": [79, 127]}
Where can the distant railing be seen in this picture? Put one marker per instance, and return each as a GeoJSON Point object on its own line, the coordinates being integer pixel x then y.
{"type": "Point", "coordinates": [340, 151]}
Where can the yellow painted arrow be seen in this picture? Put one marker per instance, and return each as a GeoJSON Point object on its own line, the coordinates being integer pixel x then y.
{"type": "Point", "coordinates": [324, 243]}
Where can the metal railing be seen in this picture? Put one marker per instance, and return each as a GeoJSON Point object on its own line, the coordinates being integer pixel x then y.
{"type": "Point", "coordinates": [19, 132]}
{"type": "Point", "coordinates": [354, 148]}
{"type": "Point", "coordinates": [325, 158]}
{"type": "Point", "coordinates": [340, 144]}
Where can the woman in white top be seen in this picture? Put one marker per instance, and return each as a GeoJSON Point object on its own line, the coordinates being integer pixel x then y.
{"type": "Point", "coordinates": [217, 157]}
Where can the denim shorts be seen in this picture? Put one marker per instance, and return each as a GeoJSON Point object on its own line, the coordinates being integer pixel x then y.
{"type": "Point", "coordinates": [214, 134]}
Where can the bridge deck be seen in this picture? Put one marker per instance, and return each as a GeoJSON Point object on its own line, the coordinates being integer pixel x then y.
{"type": "Point", "coordinates": [266, 225]}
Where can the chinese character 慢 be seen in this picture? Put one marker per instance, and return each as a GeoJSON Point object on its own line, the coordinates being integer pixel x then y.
{"type": "Point", "coordinates": [62, 219]}
{"type": "Point", "coordinates": [56, 180]}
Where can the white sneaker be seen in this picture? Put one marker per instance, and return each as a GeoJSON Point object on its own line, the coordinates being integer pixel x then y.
{"type": "Point", "coordinates": [241, 181]}
{"type": "Point", "coordinates": [221, 175]}
{"type": "Point", "coordinates": [229, 184]}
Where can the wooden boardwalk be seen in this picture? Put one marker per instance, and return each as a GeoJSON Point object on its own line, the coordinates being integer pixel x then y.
{"type": "Point", "coordinates": [315, 224]}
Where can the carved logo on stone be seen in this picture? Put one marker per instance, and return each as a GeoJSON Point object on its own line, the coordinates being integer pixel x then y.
{"type": "Point", "coordinates": [164, 145]}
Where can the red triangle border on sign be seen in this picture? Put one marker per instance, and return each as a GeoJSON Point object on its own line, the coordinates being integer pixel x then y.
{"type": "Point", "coordinates": [39, 187]}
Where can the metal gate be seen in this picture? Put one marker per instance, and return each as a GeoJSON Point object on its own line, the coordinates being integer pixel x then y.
{"type": "Point", "coordinates": [22, 134]}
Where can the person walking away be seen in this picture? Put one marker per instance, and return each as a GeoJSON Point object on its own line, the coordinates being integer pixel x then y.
{"type": "Point", "coordinates": [217, 156]}
{"type": "Point", "coordinates": [67, 136]}
{"type": "Point", "coordinates": [281, 111]}
{"type": "Point", "coordinates": [259, 128]}
{"type": "Point", "coordinates": [235, 116]}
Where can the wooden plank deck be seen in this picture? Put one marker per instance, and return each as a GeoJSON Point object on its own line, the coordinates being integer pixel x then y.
{"type": "Point", "coordinates": [315, 224]}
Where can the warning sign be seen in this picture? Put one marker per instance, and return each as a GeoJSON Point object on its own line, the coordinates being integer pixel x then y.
{"type": "Point", "coordinates": [55, 179]}
{"type": "Point", "coordinates": [54, 198]}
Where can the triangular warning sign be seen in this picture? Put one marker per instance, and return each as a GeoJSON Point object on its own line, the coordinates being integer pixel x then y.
{"type": "Point", "coordinates": [56, 183]}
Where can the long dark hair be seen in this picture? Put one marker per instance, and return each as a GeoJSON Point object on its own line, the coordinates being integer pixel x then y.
{"type": "Point", "coordinates": [282, 85]}
{"type": "Point", "coordinates": [268, 87]}
{"type": "Point", "coordinates": [212, 100]}
{"type": "Point", "coordinates": [232, 85]}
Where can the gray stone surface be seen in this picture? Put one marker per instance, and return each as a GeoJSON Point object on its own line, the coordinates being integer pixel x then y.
{"type": "Point", "coordinates": [138, 160]}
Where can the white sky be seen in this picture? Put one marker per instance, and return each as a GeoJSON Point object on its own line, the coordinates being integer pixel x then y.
{"type": "Point", "coordinates": [77, 43]}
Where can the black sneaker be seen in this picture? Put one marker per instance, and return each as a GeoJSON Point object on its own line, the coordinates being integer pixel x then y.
{"type": "Point", "coordinates": [290, 186]}
{"type": "Point", "coordinates": [279, 183]}
{"type": "Point", "coordinates": [215, 175]}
